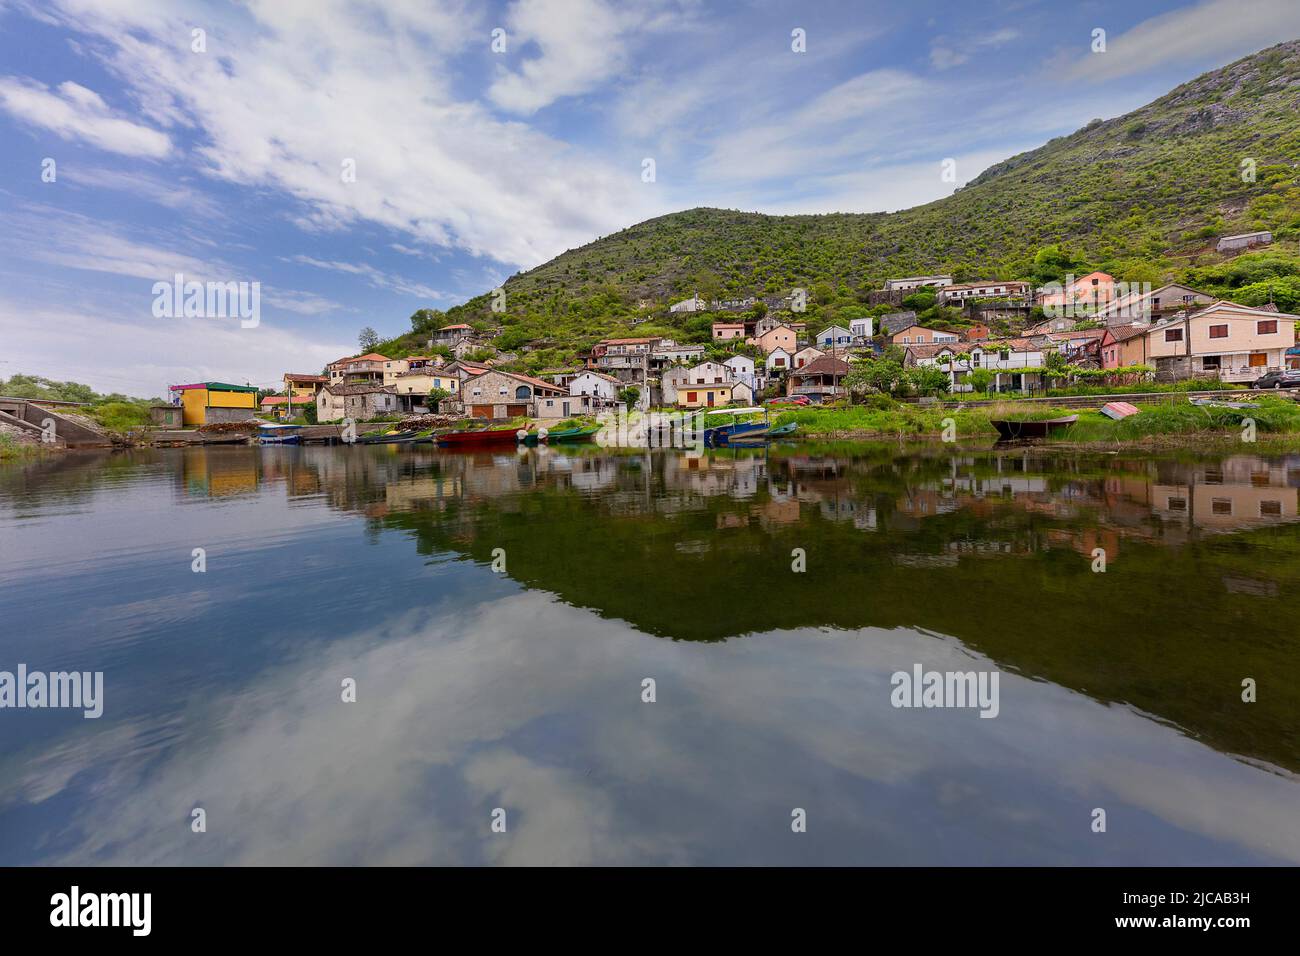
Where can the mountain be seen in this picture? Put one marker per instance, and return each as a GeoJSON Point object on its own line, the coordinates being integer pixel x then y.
{"type": "Point", "coordinates": [1140, 196]}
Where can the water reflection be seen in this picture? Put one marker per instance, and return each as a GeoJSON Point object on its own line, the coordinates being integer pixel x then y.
{"type": "Point", "coordinates": [522, 690]}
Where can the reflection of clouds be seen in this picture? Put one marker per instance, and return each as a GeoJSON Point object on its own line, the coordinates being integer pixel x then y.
{"type": "Point", "coordinates": [535, 706]}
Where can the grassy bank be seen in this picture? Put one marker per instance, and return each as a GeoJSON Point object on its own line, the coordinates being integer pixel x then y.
{"type": "Point", "coordinates": [11, 449]}
{"type": "Point", "coordinates": [1274, 420]}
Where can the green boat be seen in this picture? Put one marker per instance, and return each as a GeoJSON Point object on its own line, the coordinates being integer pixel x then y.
{"type": "Point", "coordinates": [570, 435]}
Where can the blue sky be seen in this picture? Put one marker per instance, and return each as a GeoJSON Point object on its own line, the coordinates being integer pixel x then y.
{"type": "Point", "coordinates": [226, 163]}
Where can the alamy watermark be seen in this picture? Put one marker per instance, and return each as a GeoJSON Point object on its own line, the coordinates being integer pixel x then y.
{"type": "Point", "coordinates": [1121, 300]}
{"type": "Point", "coordinates": [922, 688]}
{"type": "Point", "coordinates": [656, 430]}
{"type": "Point", "coordinates": [78, 690]}
{"type": "Point", "coordinates": [210, 300]}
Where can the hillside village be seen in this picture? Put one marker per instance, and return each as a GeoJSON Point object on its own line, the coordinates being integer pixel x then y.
{"type": "Point", "coordinates": [1005, 337]}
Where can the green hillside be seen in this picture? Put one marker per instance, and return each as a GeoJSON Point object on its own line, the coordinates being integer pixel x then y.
{"type": "Point", "coordinates": [1142, 196]}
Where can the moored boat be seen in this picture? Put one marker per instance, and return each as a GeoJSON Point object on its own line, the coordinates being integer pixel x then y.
{"type": "Point", "coordinates": [279, 434]}
{"type": "Point", "coordinates": [482, 436]}
{"type": "Point", "coordinates": [1012, 429]}
{"type": "Point", "coordinates": [570, 435]}
{"type": "Point", "coordinates": [388, 438]}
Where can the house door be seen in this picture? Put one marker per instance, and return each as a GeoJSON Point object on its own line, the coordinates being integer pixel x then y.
{"type": "Point", "coordinates": [565, 406]}
{"type": "Point", "coordinates": [1258, 359]}
{"type": "Point", "coordinates": [709, 399]}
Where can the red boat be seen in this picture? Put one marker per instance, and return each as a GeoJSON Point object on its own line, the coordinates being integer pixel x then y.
{"type": "Point", "coordinates": [482, 436]}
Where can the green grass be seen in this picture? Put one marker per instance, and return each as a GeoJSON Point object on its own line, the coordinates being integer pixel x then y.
{"type": "Point", "coordinates": [121, 417]}
{"type": "Point", "coordinates": [11, 448]}
{"type": "Point", "coordinates": [1273, 417]}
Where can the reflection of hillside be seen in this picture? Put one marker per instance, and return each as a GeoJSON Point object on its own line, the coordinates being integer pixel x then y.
{"type": "Point", "coordinates": [998, 559]}
{"type": "Point", "coordinates": [992, 548]}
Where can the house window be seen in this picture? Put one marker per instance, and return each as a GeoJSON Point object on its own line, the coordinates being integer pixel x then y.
{"type": "Point", "coordinates": [522, 394]}
{"type": "Point", "coordinates": [1270, 509]}
{"type": "Point", "coordinates": [692, 396]}
{"type": "Point", "coordinates": [1221, 506]}
{"type": "Point", "coordinates": [1218, 331]}
{"type": "Point", "coordinates": [1177, 504]}
{"type": "Point", "coordinates": [1173, 335]}
{"type": "Point", "coordinates": [1266, 327]}
{"type": "Point", "coordinates": [1210, 361]}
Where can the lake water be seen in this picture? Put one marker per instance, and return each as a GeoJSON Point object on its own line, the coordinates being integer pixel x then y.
{"type": "Point", "coordinates": [521, 688]}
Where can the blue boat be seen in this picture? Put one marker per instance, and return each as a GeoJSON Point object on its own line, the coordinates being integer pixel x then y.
{"type": "Point", "coordinates": [721, 435]}
{"type": "Point", "coordinates": [279, 435]}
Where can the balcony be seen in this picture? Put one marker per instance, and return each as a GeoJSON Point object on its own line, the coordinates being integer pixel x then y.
{"type": "Point", "coordinates": [818, 390]}
{"type": "Point", "coordinates": [1243, 373]}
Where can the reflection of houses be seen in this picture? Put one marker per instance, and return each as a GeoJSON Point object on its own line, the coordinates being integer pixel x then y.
{"type": "Point", "coordinates": [1236, 493]}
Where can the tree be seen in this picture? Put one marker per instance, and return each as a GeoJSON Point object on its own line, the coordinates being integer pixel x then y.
{"type": "Point", "coordinates": [629, 396]}
{"type": "Point", "coordinates": [368, 339]}
{"type": "Point", "coordinates": [426, 320]}
{"type": "Point", "coordinates": [436, 395]}
{"type": "Point", "coordinates": [927, 380]}
{"type": "Point", "coordinates": [1051, 263]}
{"type": "Point", "coordinates": [882, 375]}
{"type": "Point", "coordinates": [980, 379]}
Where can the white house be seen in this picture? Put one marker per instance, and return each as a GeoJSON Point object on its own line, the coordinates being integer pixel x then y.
{"type": "Point", "coordinates": [693, 304]}
{"type": "Point", "coordinates": [809, 353]}
{"type": "Point", "coordinates": [710, 373]}
{"type": "Point", "coordinates": [994, 288]}
{"type": "Point", "coordinates": [1244, 241]}
{"type": "Point", "coordinates": [909, 283]}
{"type": "Point", "coordinates": [834, 338]}
{"type": "Point", "coordinates": [603, 388]}
{"type": "Point", "coordinates": [742, 367]}
{"type": "Point", "coordinates": [778, 361]}
{"type": "Point", "coordinates": [862, 328]}
{"type": "Point", "coordinates": [1016, 363]}
{"type": "Point", "coordinates": [668, 352]}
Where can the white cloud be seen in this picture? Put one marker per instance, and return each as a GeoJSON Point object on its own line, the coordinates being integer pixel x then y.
{"type": "Point", "coordinates": [73, 112]}
{"type": "Point", "coordinates": [837, 126]}
{"type": "Point", "coordinates": [305, 88]}
{"type": "Point", "coordinates": [376, 277]}
{"type": "Point", "coordinates": [582, 43]}
{"type": "Point", "coordinates": [946, 53]}
{"type": "Point", "coordinates": [1211, 31]}
{"type": "Point", "coordinates": [114, 350]}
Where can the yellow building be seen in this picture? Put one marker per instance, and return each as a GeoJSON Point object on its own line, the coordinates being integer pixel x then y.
{"type": "Point", "coordinates": [704, 396]}
{"type": "Point", "coordinates": [205, 403]}
{"type": "Point", "coordinates": [303, 388]}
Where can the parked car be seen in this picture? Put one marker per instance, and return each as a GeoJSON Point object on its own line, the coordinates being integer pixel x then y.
{"type": "Point", "coordinates": [1279, 378]}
